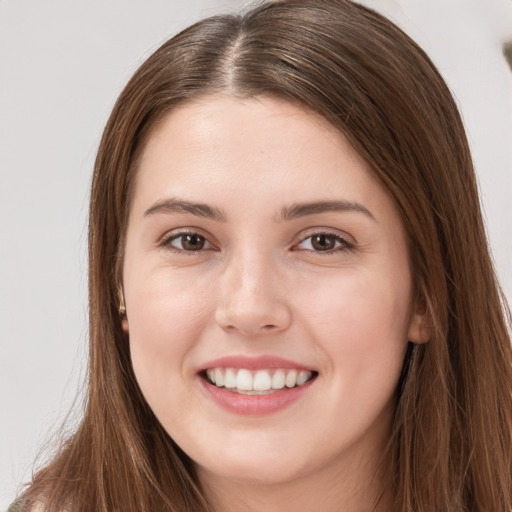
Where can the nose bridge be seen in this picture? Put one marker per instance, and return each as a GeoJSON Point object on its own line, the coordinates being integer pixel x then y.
{"type": "Point", "coordinates": [248, 270]}
{"type": "Point", "coordinates": [251, 297]}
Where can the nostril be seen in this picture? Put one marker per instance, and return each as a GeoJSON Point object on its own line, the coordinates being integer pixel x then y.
{"type": "Point", "coordinates": [252, 314]}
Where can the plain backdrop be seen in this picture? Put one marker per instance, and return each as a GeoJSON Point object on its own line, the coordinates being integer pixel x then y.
{"type": "Point", "coordinates": [62, 65]}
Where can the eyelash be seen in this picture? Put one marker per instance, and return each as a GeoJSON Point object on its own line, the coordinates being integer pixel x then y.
{"type": "Point", "coordinates": [341, 243]}
{"type": "Point", "coordinates": [167, 242]}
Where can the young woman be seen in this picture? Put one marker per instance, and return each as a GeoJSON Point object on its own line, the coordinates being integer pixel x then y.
{"type": "Point", "coordinates": [292, 304]}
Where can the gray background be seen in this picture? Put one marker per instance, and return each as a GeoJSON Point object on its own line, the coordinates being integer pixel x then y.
{"type": "Point", "coordinates": [62, 64]}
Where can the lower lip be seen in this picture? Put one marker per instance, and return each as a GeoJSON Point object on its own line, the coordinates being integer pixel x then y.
{"type": "Point", "coordinates": [254, 405]}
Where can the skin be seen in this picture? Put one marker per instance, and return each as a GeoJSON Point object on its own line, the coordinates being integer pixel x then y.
{"type": "Point", "coordinates": [259, 286]}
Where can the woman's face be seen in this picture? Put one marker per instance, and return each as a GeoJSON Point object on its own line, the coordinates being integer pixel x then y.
{"type": "Point", "coordinates": [268, 291]}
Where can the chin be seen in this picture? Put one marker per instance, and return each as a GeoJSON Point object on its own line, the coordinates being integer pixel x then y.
{"type": "Point", "coordinates": [254, 472]}
{"type": "Point", "coordinates": [258, 461]}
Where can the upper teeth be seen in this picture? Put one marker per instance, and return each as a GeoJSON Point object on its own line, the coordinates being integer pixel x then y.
{"type": "Point", "coordinates": [261, 380]}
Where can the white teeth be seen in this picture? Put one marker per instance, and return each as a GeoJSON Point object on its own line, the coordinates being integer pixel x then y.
{"type": "Point", "coordinates": [219, 377]}
{"type": "Point", "coordinates": [303, 377]}
{"type": "Point", "coordinates": [278, 380]}
{"type": "Point", "coordinates": [230, 378]}
{"type": "Point", "coordinates": [290, 381]}
{"type": "Point", "coordinates": [259, 382]}
{"type": "Point", "coordinates": [262, 381]}
{"type": "Point", "coordinates": [244, 380]}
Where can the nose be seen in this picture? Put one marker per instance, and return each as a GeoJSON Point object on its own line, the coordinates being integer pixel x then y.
{"type": "Point", "coordinates": [251, 298]}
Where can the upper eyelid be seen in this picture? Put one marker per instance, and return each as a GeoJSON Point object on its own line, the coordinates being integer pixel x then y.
{"type": "Point", "coordinates": [345, 244]}
{"type": "Point", "coordinates": [304, 235]}
{"type": "Point", "coordinates": [325, 231]}
{"type": "Point", "coordinates": [166, 243]}
{"type": "Point", "coordinates": [175, 233]}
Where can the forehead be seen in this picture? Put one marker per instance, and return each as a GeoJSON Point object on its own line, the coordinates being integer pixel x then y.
{"type": "Point", "coordinates": [264, 149]}
{"type": "Point", "coordinates": [210, 121]}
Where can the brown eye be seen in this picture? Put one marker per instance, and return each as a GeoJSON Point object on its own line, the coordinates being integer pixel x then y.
{"type": "Point", "coordinates": [323, 242]}
{"type": "Point", "coordinates": [189, 242]}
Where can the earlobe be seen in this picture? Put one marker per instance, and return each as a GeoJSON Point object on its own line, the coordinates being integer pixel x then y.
{"type": "Point", "coordinates": [419, 328]}
{"type": "Point", "coordinates": [122, 311]}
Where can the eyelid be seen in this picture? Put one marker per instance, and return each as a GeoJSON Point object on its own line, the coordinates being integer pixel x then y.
{"type": "Point", "coordinates": [348, 243]}
{"type": "Point", "coordinates": [169, 236]}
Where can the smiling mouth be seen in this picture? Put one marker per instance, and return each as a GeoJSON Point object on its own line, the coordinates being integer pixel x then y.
{"type": "Point", "coordinates": [259, 382]}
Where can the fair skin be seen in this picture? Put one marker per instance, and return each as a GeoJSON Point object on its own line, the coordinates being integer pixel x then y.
{"type": "Point", "coordinates": [259, 243]}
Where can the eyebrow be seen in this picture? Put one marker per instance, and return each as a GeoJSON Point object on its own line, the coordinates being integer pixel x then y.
{"type": "Point", "coordinates": [303, 209]}
{"type": "Point", "coordinates": [172, 205]}
{"type": "Point", "coordinates": [293, 211]}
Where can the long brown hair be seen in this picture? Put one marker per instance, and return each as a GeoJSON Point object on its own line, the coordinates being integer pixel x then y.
{"type": "Point", "coordinates": [451, 448]}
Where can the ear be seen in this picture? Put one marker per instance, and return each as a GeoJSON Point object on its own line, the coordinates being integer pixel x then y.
{"type": "Point", "coordinates": [420, 330]}
{"type": "Point", "coordinates": [124, 324]}
{"type": "Point", "coordinates": [122, 310]}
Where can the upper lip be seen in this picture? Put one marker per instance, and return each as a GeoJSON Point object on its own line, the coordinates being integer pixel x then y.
{"type": "Point", "coordinates": [253, 363]}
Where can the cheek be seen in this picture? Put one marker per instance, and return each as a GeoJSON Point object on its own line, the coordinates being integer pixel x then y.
{"type": "Point", "coordinates": [360, 318]}
{"type": "Point", "coordinates": [360, 324]}
{"type": "Point", "coordinates": [164, 303]}
{"type": "Point", "coordinates": [166, 319]}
